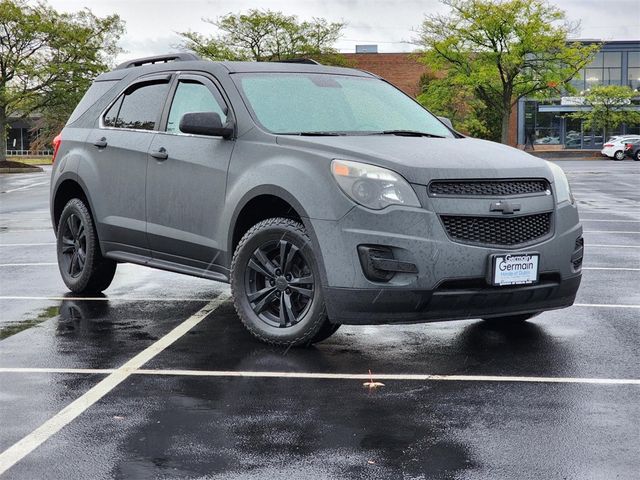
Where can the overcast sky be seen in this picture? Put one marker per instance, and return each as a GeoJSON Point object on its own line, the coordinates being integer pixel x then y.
{"type": "Point", "coordinates": [151, 24]}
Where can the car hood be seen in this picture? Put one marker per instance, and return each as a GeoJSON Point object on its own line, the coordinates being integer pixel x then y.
{"type": "Point", "coordinates": [422, 159]}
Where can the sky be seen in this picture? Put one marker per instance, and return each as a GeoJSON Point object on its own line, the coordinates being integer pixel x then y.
{"type": "Point", "coordinates": [152, 24]}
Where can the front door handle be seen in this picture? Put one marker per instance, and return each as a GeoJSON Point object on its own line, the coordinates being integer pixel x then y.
{"type": "Point", "coordinates": [102, 143]}
{"type": "Point", "coordinates": [160, 154]}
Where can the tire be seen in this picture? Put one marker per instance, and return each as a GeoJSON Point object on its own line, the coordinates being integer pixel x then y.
{"type": "Point", "coordinates": [326, 331]}
{"type": "Point", "coordinates": [511, 319]}
{"type": "Point", "coordinates": [274, 265]}
{"type": "Point", "coordinates": [619, 155]}
{"type": "Point", "coordinates": [81, 264]}
{"type": "Point", "coordinates": [636, 157]}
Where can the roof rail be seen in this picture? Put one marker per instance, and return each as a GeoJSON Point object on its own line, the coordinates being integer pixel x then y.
{"type": "Point", "coordinates": [307, 61]}
{"type": "Point", "coordinates": [169, 57]}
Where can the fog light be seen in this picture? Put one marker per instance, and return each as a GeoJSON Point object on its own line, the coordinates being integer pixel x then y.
{"type": "Point", "coordinates": [379, 264]}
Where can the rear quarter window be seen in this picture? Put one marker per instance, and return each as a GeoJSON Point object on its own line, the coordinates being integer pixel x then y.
{"type": "Point", "coordinates": [96, 91]}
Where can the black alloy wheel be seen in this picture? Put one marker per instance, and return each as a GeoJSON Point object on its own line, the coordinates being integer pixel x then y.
{"type": "Point", "coordinates": [82, 266]}
{"type": "Point", "coordinates": [74, 246]}
{"type": "Point", "coordinates": [276, 287]}
{"type": "Point", "coordinates": [279, 283]}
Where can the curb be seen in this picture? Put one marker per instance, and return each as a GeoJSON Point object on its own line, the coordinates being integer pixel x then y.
{"type": "Point", "coordinates": [22, 170]}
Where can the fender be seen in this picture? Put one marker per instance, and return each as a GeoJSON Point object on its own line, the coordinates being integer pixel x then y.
{"type": "Point", "coordinates": [280, 192]}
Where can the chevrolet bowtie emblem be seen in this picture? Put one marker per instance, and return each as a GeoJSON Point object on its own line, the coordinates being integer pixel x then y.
{"type": "Point", "coordinates": [504, 207]}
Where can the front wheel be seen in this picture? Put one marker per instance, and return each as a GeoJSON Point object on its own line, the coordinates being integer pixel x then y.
{"type": "Point", "coordinates": [81, 264]}
{"type": "Point", "coordinates": [275, 283]}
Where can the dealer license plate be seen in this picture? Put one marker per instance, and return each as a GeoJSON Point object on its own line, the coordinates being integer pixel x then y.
{"type": "Point", "coordinates": [515, 269]}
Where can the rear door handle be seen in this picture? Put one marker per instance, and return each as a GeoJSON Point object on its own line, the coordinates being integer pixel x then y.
{"type": "Point", "coordinates": [102, 143]}
{"type": "Point", "coordinates": [160, 154]}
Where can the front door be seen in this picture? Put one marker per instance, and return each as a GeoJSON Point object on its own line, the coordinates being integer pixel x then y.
{"type": "Point", "coordinates": [186, 189]}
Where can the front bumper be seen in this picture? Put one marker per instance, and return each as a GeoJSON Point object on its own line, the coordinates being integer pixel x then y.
{"type": "Point", "coordinates": [451, 279]}
{"type": "Point", "coordinates": [387, 305]}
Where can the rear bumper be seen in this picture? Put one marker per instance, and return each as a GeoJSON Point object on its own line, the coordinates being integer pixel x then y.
{"type": "Point", "coordinates": [389, 305]}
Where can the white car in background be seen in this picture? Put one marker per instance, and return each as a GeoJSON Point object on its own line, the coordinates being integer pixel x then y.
{"type": "Point", "coordinates": [614, 148]}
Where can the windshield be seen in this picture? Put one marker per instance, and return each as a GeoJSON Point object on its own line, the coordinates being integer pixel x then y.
{"type": "Point", "coordinates": [299, 103]}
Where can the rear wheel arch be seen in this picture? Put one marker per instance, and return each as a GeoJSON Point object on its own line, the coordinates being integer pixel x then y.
{"type": "Point", "coordinates": [65, 191]}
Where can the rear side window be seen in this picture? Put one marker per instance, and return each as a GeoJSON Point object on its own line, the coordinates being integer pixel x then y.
{"type": "Point", "coordinates": [138, 108]}
{"type": "Point", "coordinates": [96, 92]}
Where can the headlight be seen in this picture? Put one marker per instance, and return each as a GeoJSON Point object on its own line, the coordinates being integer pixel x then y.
{"type": "Point", "coordinates": [561, 184]}
{"type": "Point", "coordinates": [371, 186]}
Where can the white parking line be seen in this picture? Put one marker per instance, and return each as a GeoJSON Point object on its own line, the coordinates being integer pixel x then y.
{"type": "Point", "coordinates": [612, 268]}
{"type": "Point", "coordinates": [33, 264]}
{"type": "Point", "coordinates": [19, 450]}
{"type": "Point", "coordinates": [27, 230]}
{"type": "Point", "coordinates": [25, 187]}
{"type": "Point", "coordinates": [589, 245]}
{"type": "Point", "coordinates": [110, 299]}
{"type": "Point", "coordinates": [335, 376]}
{"type": "Point", "coordinates": [604, 305]}
{"type": "Point", "coordinates": [26, 244]}
{"type": "Point", "coordinates": [608, 220]}
{"type": "Point", "coordinates": [610, 231]}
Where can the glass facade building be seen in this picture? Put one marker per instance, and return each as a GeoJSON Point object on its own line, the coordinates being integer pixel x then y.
{"type": "Point", "coordinates": [548, 122]}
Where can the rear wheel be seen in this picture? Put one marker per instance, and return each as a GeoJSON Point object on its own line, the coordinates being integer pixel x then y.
{"type": "Point", "coordinates": [636, 157]}
{"type": "Point", "coordinates": [275, 283]}
{"type": "Point", "coordinates": [81, 264]}
{"type": "Point", "coordinates": [511, 319]}
{"type": "Point", "coordinates": [619, 155]}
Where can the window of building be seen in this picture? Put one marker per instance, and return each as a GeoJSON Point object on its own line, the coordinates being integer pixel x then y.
{"type": "Point", "coordinates": [192, 96]}
{"type": "Point", "coordinates": [541, 128]}
{"type": "Point", "coordinates": [633, 74]}
{"type": "Point", "coordinates": [604, 69]}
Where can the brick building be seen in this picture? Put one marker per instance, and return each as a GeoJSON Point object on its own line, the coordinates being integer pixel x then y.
{"type": "Point", "coordinates": [546, 122]}
{"type": "Point", "coordinates": [402, 69]}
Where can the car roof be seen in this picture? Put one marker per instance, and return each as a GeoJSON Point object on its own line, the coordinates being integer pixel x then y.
{"type": "Point", "coordinates": [230, 67]}
{"type": "Point", "coordinates": [284, 67]}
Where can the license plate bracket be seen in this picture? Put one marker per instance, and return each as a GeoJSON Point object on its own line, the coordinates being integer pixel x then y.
{"type": "Point", "coordinates": [509, 269]}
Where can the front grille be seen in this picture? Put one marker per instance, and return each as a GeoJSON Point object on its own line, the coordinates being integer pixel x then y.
{"type": "Point", "coordinates": [497, 230]}
{"type": "Point", "coordinates": [488, 188]}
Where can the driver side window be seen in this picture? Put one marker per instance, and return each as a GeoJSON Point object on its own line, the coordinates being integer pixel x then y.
{"type": "Point", "coordinates": [192, 96]}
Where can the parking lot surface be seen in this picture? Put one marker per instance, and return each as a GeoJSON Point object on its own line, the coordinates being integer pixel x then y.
{"type": "Point", "coordinates": [157, 378]}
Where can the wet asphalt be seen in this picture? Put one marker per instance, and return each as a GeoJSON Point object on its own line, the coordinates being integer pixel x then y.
{"type": "Point", "coordinates": [182, 418]}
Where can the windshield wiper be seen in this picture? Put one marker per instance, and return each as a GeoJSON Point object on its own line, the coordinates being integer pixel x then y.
{"type": "Point", "coordinates": [408, 133]}
{"type": "Point", "coordinates": [315, 134]}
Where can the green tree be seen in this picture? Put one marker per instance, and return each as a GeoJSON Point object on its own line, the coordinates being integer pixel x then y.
{"type": "Point", "coordinates": [610, 107]}
{"type": "Point", "coordinates": [503, 50]}
{"type": "Point", "coordinates": [265, 35]}
{"type": "Point", "coordinates": [458, 103]}
{"type": "Point", "coordinates": [47, 58]}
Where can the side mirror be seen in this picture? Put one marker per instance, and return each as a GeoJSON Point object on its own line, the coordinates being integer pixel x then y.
{"type": "Point", "coordinates": [447, 122]}
{"type": "Point", "coordinates": [204, 123]}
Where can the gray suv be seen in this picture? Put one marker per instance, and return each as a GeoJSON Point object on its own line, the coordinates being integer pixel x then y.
{"type": "Point", "coordinates": [324, 196]}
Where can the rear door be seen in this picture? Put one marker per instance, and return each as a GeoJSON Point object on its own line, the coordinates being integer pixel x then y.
{"type": "Point", "coordinates": [186, 190]}
{"type": "Point", "coordinates": [117, 173]}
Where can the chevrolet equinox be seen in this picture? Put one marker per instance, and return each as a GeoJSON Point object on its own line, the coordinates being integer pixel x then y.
{"type": "Point", "coordinates": [324, 196]}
